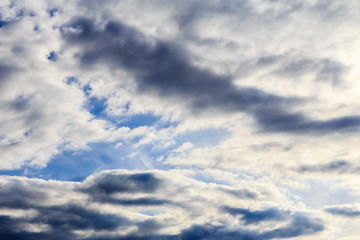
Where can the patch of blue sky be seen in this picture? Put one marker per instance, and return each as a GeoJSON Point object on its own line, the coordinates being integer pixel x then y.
{"type": "Point", "coordinates": [204, 138]}
{"type": "Point", "coordinates": [72, 80]}
{"type": "Point", "coordinates": [17, 172]}
{"type": "Point", "coordinates": [202, 177]}
{"type": "Point", "coordinates": [3, 23]}
{"type": "Point", "coordinates": [87, 90]}
{"type": "Point", "coordinates": [52, 56]}
{"type": "Point", "coordinates": [199, 139]}
{"type": "Point", "coordinates": [52, 11]}
{"type": "Point", "coordinates": [77, 165]}
{"type": "Point", "coordinates": [332, 193]}
{"type": "Point", "coordinates": [138, 120]}
{"type": "Point", "coordinates": [151, 213]}
{"type": "Point", "coordinates": [97, 107]}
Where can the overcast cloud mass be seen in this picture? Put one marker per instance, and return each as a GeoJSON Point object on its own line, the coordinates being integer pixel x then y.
{"type": "Point", "coordinates": [189, 120]}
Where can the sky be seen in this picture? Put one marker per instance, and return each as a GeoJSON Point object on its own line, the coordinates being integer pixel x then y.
{"type": "Point", "coordinates": [184, 120]}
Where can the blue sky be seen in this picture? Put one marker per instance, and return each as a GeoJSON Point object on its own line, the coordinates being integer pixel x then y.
{"type": "Point", "coordinates": [199, 119]}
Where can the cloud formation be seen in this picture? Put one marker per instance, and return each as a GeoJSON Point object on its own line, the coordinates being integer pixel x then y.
{"type": "Point", "coordinates": [165, 68]}
{"type": "Point", "coordinates": [74, 210]}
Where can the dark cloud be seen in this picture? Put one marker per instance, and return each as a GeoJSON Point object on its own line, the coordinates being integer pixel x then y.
{"type": "Point", "coordinates": [61, 221]}
{"type": "Point", "coordinates": [5, 72]}
{"type": "Point", "coordinates": [132, 202]}
{"type": "Point", "coordinates": [107, 184]}
{"type": "Point", "coordinates": [323, 69]}
{"type": "Point", "coordinates": [9, 231]}
{"type": "Point", "coordinates": [19, 195]}
{"type": "Point", "coordinates": [340, 166]}
{"type": "Point", "coordinates": [65, 220]}
{"type": "Point", "coordinates": [104, 188]}
{"type": "Point", "coordinates": [162, 67]}
{"type": "Point", "coordinates": [299, 226]}
{"type": "Point", "coordinates": [3, 23]}
{"type": "Point", "coordinates": [137, 237]}
{"type": "Point", "coordinates": [329, 10]}
{"type": "Point", "coordinates": [242, 193]}
{"type": "Point", "coordinates": [21, 103]}
{"type": "Point", "coordinates": [74, 217]}
{"type": "Point", "coordinates": [350, 212]}
{"type": "Point", "coordinates": [165, 68]}
{"type": "Point", "coordinates": [278, 120]}
{"type": "Point", "coordinates": [253, 217]}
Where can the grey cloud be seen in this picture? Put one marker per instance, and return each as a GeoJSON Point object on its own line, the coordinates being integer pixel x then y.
{"type": "Point", "coordinates": [132, 202]}
{"type": "Point", "coordinates": [5, 72]}
{"type": "Point", "coordinates": [11, 229]}
{"type": "Point", "coordinates": [322, 69]}
{"type": "Point", "coordinates": [340, 166]}
{"type": "Point", "coordinates": [278, 120]}
{"type": "Point", "coordinates": [64, 220]}
{"type": "Point", "coordinates": [295, 66]}
{"type": "Point", "coordinates": [61, 220]}
{"type": "Point", "coordinates": [74, 217]}
{"type": "Point", "coordinates": [136, 237]}
{"type": "Point", "coordinates": [20, 104]}
{"type": "Point", "coordinates": [330, 10]}
{"type": "Point", "coordinates": [350, 212]}
{"type": "Point", "coordinates": [18, 195]}
{"type": "Point", "coordinates": [299, 226]}
{"type": "Point", "coordinates": [104, 187]}
{"type": "Point", "coordinates": [164, 67]}
{"type": "Point", "coordinates": [251, 217]}
{"type": "Point", "coordinates": [107, 184]}
{"type": "Point", "coordinates": [244, 14]}
{"type": "Point", "coordinates": [242, 193]}
{"type": "Point", "coordinates": [264, 61]}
